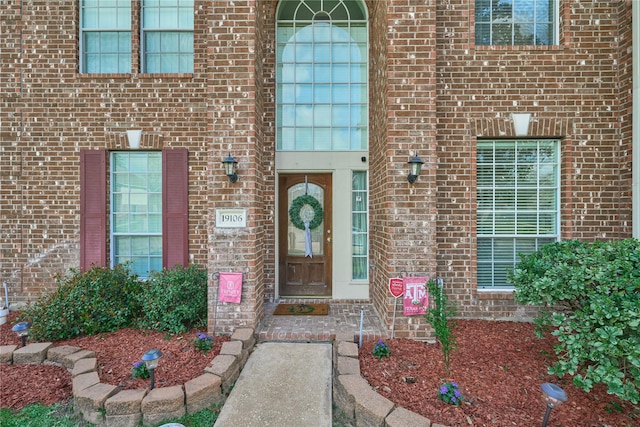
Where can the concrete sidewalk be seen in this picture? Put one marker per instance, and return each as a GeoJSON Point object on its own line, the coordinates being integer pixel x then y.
{"type": "Point", "coordinates": [282, 384]}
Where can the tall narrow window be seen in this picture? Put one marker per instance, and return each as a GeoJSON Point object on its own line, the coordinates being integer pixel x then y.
{"type": "Point", "coordinates": [136, 210]}
{"type": "Point", "coordinates": [359, 226]}
{"type": "Point", "coordinates": [322, 95]}
{"type": "Point", "coordinates": [167, 36]}
{"type": "Point", "coordinates": [105, 36]}
{"type": "Point", "coordinates": [516, 22]}
{"type": "Point", "coordinates": [518, 198]}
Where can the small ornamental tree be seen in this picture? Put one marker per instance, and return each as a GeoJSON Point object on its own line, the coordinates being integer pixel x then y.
{"type": "Point", "coordinates": [438, 315]}
{"type": "Point", "coordinates": [589, 294]}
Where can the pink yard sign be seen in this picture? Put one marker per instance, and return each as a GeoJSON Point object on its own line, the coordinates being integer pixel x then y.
{"type": "Point", "coordinates": [416, 299]}
{"type": "Point", "coordinates": [230, 287]}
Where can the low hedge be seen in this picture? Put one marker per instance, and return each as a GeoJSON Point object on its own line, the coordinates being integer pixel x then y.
{"type": "Point", "coordinates": [107, 299]}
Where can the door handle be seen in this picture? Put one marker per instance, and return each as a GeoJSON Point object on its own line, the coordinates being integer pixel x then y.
{"type": "Point", "coordinates": [328, 239]}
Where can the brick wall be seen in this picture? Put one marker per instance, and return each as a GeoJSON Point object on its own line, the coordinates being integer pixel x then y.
{"type": "Point", "coordinates": [403, 120]}
{"type": "Point", "coordinates": [572, 91]}
{"type": "Point", "coordinates": [625, 97]}
{"type": "Point", "coordinates": [432, 91]}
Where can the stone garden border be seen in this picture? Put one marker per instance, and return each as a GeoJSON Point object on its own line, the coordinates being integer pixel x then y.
{"type": "Point", "coordinates": [353, 395]}
{"type": "Point", "coordinates": [106, 405]}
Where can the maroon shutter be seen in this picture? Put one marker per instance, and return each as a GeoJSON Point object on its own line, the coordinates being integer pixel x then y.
{"type": "Point", "coordinates": [175, 212]}
{"type": "Point", "coordinates": [93, 208]}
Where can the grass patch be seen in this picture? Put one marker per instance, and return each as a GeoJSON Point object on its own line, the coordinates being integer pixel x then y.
{"type": "Point", "coordinates": [62, 415]}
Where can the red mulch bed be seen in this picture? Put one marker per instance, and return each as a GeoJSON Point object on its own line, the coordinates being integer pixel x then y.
{"type": "Point", "coordinates": [499, 367]}
{"type": "Point", "coordinates": [116, 353]}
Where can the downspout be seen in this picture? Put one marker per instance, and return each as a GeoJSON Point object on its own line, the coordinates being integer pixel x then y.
{"type": "Point", "coordinates": [635, 118]}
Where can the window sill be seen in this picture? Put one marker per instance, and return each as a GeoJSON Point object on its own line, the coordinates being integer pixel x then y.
{"type": "Point", "coordinates": [495, 294]}
{"type": "Point", "coordinates": [105, 76]}
{"type": "Point", "coordinates": [518, 48]}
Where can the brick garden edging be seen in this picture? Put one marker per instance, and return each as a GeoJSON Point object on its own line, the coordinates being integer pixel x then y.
{"type": "Point", "coordinates": [358, 400]}
{"type": "Point", "coordinates": [107, 405]}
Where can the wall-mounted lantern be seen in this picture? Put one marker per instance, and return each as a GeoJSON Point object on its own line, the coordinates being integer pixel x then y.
{"type": "Point", "coordinates": [415, 164]}
{"type": "Point", "coordinates": [229, 164]}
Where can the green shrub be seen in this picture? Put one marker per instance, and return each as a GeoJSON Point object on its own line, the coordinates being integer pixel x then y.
{"type": "Point", "coordinates": [590, 295]}
{"type": "Point", "coordinates": [175, 300]}
{"type": "Point", "coordinates": [98, 300]}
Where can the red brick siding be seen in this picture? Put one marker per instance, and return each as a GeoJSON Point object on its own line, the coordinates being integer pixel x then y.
{"type": "Point", "coordinates": [572, 91]}
{"type": "Point", "coordinates": [431, 90]}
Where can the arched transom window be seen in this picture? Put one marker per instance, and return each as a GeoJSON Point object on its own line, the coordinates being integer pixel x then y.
{"type": "Point", "coordinates": [322, 62]}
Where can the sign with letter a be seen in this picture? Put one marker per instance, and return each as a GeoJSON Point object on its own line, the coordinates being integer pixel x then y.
{"type": "Point", "coordinates": [415, 299]}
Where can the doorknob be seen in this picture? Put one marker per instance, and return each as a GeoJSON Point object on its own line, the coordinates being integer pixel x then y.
{"type": "Point", "coordinates": [328, 239]}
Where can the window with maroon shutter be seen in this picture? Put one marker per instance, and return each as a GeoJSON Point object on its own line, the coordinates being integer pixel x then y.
{"type": "Point", "coordinates": [93, 203]}
{"type": "Point", "coordinates": [175, 216]}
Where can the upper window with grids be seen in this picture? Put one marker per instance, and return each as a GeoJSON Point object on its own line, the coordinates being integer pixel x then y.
{"type": "Point", "coordinates": [105, 36]}
{"type": "Point", "coordinates": [322, 66]}
{"type": "Point", "coordinates": [167, 36]}
{"type": "Point", "coordinates": [516, 22]}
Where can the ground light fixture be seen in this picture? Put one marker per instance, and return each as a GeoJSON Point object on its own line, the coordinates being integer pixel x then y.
{"type": "Point", "coordinates": [151, 359]}
{"type": "Point", "coordinates": [415, 164]}
{"type": "Point", "coordinates": [554, 396]}
{"type": "Point", "coordinates": [230, 164]}
{"type": "Point", "coordinates": [22, 330]}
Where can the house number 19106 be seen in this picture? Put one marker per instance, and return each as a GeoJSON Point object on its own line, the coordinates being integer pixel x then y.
{"type": "Point", "coordinates": [231, 218]}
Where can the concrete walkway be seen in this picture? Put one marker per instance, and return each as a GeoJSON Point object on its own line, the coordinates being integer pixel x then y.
{"type": "Point", "coordinates": [282, 384]}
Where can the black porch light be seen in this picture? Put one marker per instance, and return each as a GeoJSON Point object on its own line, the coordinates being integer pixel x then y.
{"type": "Point", "coordinates": [151, 359]}
{"type": "Point", "coordinates": [415, 164]}
{"type": "Point", "coordinates": [554, 396]}
{"type": "Point", "coordinates": [22, 330]}
{"type": "Point", "coordinates": [229, 164]}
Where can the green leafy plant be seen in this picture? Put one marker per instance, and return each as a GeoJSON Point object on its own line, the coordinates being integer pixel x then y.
{"type": "Point", "coordinates": [175, 300]}
{"type": "Point", "coordinates": [450, 393]}
{"type": "Point", "coordinates": [589, 294]}
{"type": "Point", "coordinates": [139, 370]}
{"type": "Point", "coordinates": [203, 342]}
{"type": "Point", "coordinates": [438, 315]}
{"type": "Point", "coordinates": [381, 349]}
{"type": "Point", "coordinates": [86, 303]}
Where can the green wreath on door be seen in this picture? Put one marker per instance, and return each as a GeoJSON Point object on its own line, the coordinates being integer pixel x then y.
{"type": "Point", "coordinates": [296, 207]}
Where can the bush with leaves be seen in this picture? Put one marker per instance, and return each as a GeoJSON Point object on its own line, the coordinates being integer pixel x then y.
{"type": "Point", "coordinates": [85, 303]}
{"type": "Point", "coordinates": [175, 300]}
{"type": "Point", "coordinates": [438, 315]}
{"type": "Point", "coordinates": [589, 295]}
